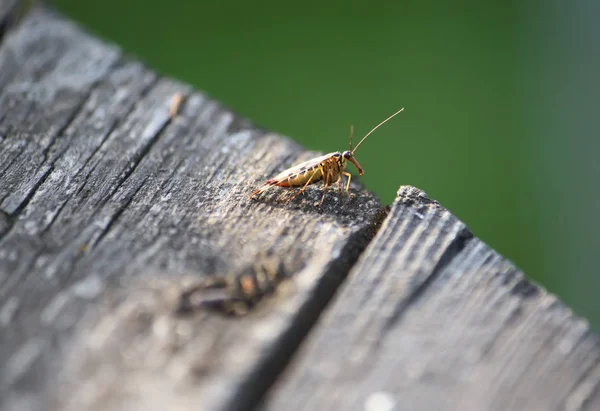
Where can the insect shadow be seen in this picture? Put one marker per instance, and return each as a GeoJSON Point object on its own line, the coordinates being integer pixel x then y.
{"type": "Point", "coordinates": [335, 204]}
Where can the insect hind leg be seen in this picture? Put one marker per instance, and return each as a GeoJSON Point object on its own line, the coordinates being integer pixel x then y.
{"type": "Point", "coordinates": [304, 187]}
{"type": "Point", "coordinates": [327, 181]}
{"type": "Point", "coordinates": [324, 192]}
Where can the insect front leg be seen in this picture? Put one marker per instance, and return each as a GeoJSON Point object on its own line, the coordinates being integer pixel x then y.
{"type": "Point", "coordinates": [347, 174]}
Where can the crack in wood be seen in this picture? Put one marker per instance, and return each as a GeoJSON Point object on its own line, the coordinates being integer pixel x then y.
{"type": "Point", "coordinates": [46, 163]}
{"type": "Point", "coordinates": [106, 136]}
{"type": "Point", "coordinates": [94, 241]}
{"type": "Point", "coordinates": [456, 246]}
{"type": "Point", "coordinates": [253, 391]}
{"type": "Point", "coordinates": [13, 159]}
{"type": "Point", "coordinates": [20, 206]}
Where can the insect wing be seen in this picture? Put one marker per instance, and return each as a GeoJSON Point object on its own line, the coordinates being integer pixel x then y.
{"type": "Point", "coordinates": [298, 168]}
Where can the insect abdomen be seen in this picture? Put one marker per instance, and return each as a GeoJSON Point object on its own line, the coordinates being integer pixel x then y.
{"type": "Point", "coordinates": [300, 179]}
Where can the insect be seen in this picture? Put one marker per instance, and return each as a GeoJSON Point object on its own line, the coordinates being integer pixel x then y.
{"type": "Point", "coordinates": [328, 168]}
{"type": "Point", "coordinates": [233, 293]}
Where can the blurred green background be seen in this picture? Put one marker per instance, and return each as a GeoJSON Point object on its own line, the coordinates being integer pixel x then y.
{"type": "Point", "coordinates": [501, 100]}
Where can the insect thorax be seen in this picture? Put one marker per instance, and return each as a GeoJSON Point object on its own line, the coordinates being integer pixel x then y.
{"type": "Point", "coordinates": [340, 160]}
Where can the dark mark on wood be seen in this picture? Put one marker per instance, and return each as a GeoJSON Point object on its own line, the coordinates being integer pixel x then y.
{"type": "Point", "coordinates": [234, 293]}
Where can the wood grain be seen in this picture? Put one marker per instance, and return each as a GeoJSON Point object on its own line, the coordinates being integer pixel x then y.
{"type": "Point", "coordinates": [431, 318]}
{"type": "Point", "coordinates": [108, 206]}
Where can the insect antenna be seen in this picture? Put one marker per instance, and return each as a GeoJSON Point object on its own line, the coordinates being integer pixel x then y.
{"type": "Point", "coordinates": [351, 134]}
{"type": "Point", "coordinates": [375, 128]}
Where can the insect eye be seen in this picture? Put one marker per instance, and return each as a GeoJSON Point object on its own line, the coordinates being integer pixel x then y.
{"type": "Point", "coordinates": [347, 154]}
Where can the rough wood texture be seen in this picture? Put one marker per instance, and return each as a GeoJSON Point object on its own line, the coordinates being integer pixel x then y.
{"type": "Point", "coordinates": [431, 318]}
{"type": "Point", "coordinates": [107, 205]}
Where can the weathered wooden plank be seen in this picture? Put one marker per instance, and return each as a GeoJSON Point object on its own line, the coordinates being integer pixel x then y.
{"type": "Point", "coordinates": [431, 318]}
{"type": "Point", "coordinates": [107, 205]}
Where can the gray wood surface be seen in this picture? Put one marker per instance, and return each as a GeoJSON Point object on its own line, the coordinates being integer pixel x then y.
{"type": "Point", "coordinates": [431, 318]}
{"type": "Point", "coordinates": [108, 207]}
